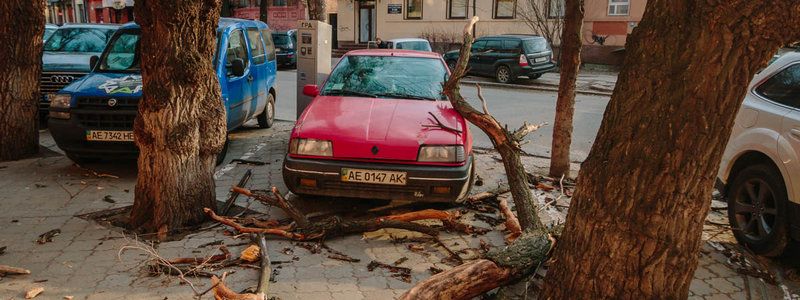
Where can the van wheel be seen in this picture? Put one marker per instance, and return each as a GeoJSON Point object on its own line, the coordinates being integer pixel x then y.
{"type": "Point", "coordinates": [221, 155]}
{"type": "Point", "coordinates": [503, 75]}
{"type": "Point", "coordinates": [757, 210]}
{"type": "Point", "coordinates": [267, 117]}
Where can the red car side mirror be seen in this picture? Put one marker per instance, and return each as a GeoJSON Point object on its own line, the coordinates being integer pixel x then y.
{"type": "Point", "coordinates": [311, 90]}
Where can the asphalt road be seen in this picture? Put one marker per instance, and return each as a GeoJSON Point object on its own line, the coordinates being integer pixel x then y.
{"type": "Point", "coordinates": [509, 106]}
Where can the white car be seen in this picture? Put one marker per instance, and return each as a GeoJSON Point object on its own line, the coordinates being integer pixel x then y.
{"type": "Point", "coordinates": [760, 169]}
{"type": "Point", "coordinates": [406, 43]}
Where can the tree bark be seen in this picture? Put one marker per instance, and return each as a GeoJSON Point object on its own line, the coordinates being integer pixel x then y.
{"type": "Point", "coordinates": [633, 229]}
{"type": "Point", "coordinates": [21, 54]}
{"type": "Point", "coordinates": [180, 127]}
{"type": "Point", "coordinates": [263, 11]}
{"type": "Point", "coordinates": [570, 63]}
{"type": "Point", "coordinates": [506, 143]}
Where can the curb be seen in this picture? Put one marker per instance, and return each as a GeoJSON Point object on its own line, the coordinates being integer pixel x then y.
{"type": "Point", "coordinates": [532, 87]}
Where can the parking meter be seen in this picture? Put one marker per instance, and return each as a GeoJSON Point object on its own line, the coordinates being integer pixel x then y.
{"type": "Point", "coordinates": [313, 57]}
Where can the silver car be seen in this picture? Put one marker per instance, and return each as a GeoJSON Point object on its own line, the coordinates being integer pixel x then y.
{"type": "Point", "coordinates": [760, 170]}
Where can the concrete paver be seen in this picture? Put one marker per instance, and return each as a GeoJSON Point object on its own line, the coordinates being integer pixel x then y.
{"type": "Point", "coordinates": [85, 260]}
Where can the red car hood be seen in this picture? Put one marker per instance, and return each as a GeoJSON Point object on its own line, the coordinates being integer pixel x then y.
{"type": "Point", "coordinates": [397, 127]}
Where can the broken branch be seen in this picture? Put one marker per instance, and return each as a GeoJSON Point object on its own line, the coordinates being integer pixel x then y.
{"type": "Point", "coordinates": [9, 270]}
{"type": "Point", "coordinates": [512, 224]}
{"type": "Point", "coordinates": [242, 229]}
{"type": "Point", "coordinates": [266, 266]}
{"type": "Point", "coordinates": [276, 200]}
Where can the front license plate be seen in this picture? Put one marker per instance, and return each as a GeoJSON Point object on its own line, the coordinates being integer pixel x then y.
{"type": "Point", "coordinates": [109, 136]}
{"type": "Point", "coordinates": [373, 176]}
{"type": "Point", "coordinates": [540, 59]}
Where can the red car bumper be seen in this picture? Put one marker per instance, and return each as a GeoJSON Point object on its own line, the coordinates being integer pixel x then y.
{"type": "Point", "coordinates": [424, 183]}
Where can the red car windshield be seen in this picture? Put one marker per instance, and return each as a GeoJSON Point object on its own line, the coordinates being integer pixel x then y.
{"type": "Point", "coordinates": [416, 78]}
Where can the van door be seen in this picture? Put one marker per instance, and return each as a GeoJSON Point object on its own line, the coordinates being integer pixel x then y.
{"type": "Point", "coordinates": [239, 92]}
{"type": "Point", "coordinates": [258, 85]}
{"type": "Point", "coordinates": [478, 49]}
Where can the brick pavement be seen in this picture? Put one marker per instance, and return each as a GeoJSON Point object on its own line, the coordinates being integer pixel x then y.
{"type": "Point", "coordinates": [85, 260]}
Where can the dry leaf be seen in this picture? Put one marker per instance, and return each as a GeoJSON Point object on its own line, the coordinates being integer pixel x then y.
{"type": "Point", "coordinates": [251, 254]}
{"type": "Point", "coordinates": [32, 293]}
{"type": "Point", "coordinates": [68, 297]}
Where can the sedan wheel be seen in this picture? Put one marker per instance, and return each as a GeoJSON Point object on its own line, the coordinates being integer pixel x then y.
{"type": "Point", "coordinates": [503, 75]}
{"type": "Point", "coordinates": [756, 210]}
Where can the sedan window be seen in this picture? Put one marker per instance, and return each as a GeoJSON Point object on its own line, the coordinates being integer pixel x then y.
{"type": "Point", "coordinates": [783, 87]}
{"type": "Point", "coordinates": [387, 77]}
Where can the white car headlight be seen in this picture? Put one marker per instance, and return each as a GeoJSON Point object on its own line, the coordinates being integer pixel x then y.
{"type": "Point", "coordinates": [59, 100]}
{"type": "Point", "coordinates": [311, 147]}
{"type": "Point", "coordinates": [454, 153]}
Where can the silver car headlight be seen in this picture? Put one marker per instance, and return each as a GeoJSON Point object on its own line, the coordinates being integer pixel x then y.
{"type": "Point", "coordinates": [452, 154]}
{"type": "Point", "coordinates": [59, 100]}
{"type": "Point", "coordinates": [311, 147]}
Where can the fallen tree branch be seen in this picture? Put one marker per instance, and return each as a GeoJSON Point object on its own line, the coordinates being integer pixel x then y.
{"type": "Point", "coordinates": [477, 277]}
{"type": "Point", "coordinates": [276, 200]}
{"type": "Point", "coordinates": [242, 229]}
{"type": "Point", "coordinates": [222, 292]}
{"type": "Point", "coordinates": [199, 260]}
{"type": "Point", "coordinates": [9, 270]}
{"type": "Point", "coordinates": [266, 266]}
{"type": "Point", "coordinates": [233, 195]}
{"type": "Point", "coordinates": [512, 224]}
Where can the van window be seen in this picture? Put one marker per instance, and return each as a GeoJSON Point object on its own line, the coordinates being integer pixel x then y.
{"type": "Point", "coordinates": [123, 53]}
{"type": "Point", "coordinates": [256, 46]}
{"type": "Point", "coordinates": [783, 87]}
{"type": "Point", "coordinates": [236, 49]}
{"type": "Point", "coordinates": [79, 39]}
{"type": "Point", "coordinates": [269, 44]}
{"type": "Point", "coordinates": [479, 46]}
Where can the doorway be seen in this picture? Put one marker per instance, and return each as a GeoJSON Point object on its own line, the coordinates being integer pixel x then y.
{"type": "Point", "coordinates": [334, 22]}
{"type": "Point", "coordinates": [367, 19]}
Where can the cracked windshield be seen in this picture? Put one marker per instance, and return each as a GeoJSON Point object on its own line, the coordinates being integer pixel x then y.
{"type": "Point", "coordinates": [387, 77]}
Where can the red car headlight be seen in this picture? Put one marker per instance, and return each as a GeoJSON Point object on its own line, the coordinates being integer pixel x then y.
{"type": "Point", "coordinates": [451, 154]}
{"type": "Point", "coordinates": [311, 147]}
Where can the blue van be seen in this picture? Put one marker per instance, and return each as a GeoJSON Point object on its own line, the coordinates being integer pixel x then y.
{"type": "Point", "coordinates": [66, 56]}
{"type": "Point", "coordinates": [93, 117]}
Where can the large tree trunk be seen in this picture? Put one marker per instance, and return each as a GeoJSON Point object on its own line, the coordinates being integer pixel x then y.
{"type": "Point", "coordinates": [633, 228]}
{"type": "Point", "coordinates": [263, 11]}
{"type": "Point", "coordinates": [21, 56]}
{"type": "Point", "coordinates": [180, 127]}
{"type": "Point", "coordinates": [565, 105]}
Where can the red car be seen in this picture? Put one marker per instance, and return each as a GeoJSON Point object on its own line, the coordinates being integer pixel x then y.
{"type": "Point", "coordinates": [380, 128]}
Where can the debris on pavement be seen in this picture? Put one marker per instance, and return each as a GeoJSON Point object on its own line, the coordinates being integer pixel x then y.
{"type": "Point", "coordinates": [9, 270]}
{"type": "Point", "coordinates": [401, 273]}
{"type": "Point", "coordinates": [48, 236]}
{"type": "Point", "coordinates": [249, 162]}
{"type": "Point", "coordinates": [33, 292]}
{"type": "Point", "coordinates": [108, 199]}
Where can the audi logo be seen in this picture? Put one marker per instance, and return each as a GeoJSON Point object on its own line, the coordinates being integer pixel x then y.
{"type": "Point", "coordinates": [63, 79]}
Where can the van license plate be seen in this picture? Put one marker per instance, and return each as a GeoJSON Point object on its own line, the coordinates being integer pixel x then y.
{"type": "Point", "coordinates": [540, 59]}
{"type": "Point", "coordinates": [109, 136]}
{"type": "Point", "coordinates": [373, 176]}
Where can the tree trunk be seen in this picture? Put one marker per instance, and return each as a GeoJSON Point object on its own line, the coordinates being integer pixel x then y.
{"type": "Point", "coordinates": [506, 143]}
{"type": "Point", "coordinates": [180, 127]}
{"type": "Point", "coordinates": [263, 11]}
{"type": "Point", "coordinates": [633, 228]}
{"type": "Point", "coordinates": [21, 56]}
{"type": "Point", "coordinates": [565, 105]}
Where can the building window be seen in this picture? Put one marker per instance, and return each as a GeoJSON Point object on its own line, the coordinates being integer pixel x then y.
{"type": "Point", "coordinates": [618, 7]}
{"type": "Point", "coordinates": [413, 9]}
{"type": "Point", "coordinates": [555, 9]}
{"type": "Point", "coordinates": [458, 9]}
{"type": "Point", "coordinates": [505, 9]}
{"type": "Point", "coordinates": [279, 2]}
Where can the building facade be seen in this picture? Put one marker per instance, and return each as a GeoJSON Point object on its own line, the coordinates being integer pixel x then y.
{"type": "Point", "coordinates": [607, 23]}
{"type": "Point", "coordinates": [66, 11]}
{"type": "Point", "coordinates": [281, 14]}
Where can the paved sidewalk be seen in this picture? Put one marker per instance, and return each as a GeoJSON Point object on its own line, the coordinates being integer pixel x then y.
{"type": "Point", "coordinates": [85, 261]}
{"type": "Point", "coordinates": [589, 82]}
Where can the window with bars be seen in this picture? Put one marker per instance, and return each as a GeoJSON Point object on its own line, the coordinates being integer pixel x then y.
{"type": "Point", "coordinates": [458, 9]}
{"type": "Point", "coordinates": [618, 7]}
{"type": "Point", "coordinates": [505, 9]}
{"type": "Point", "coordinates": [555, 9]}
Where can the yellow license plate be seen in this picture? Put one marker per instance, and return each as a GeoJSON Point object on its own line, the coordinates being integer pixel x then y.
{"type": "Point", "coordinates": [373, 176]}
{"type": "Point", "coordinates": [109, 136]}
